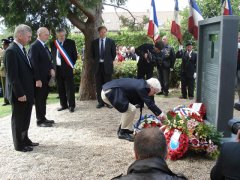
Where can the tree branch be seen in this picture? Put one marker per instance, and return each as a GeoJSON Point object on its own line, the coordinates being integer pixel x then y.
{"type": "Point", "coordinates": [89, 14]}
{"type": "Point", "coordinates": [77, 22]}
{"type": "Point", "coordinates": [116, 6]}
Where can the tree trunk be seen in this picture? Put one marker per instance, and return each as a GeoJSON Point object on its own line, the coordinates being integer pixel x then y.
{"type": "Point", "coordinates": [87, 90]}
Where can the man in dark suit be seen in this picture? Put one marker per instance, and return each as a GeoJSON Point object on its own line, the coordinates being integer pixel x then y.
{"type": "Point", "coordinates": [123, 94]}
{"type": "Point", "coordinates": [188, 70]}
{"type": "Point", "coordinates": [41, 59]}
{"type": "Point", "coordinates": [227, 165]}
{"type": "Point", "coordinates": [21, 87]}
{"type": "Point", "coordinates": [64, 71]}
{"type": "Point", "coordinates": [104, 53]}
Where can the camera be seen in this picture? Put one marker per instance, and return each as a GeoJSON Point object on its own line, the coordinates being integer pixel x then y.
{"type": "Point", "coordinates": [234, 125]}
{"type": "Point", "coordinates": [155, 58]}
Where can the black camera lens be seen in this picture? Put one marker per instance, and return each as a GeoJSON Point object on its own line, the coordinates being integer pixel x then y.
{"type": "Point", "coordinates": [234, 125]}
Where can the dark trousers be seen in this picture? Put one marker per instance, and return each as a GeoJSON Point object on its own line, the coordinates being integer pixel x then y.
{"type": "Point", "coordinates": [4, 89]}
{"type": "Point", "coordinates": [101, 78]}
{"type": "Point", "coordinates": [163, 77]}
{"type": "Point", "coordinates": [65, 86]}
{"type": "Point", "coordinates": [187, 86]}
{"type": "Point", "coordinates": [41, 101]}
{"type": "Point", "coordinates": [21, 115]}
{"type": "Point", "coordinates": [144, 72]}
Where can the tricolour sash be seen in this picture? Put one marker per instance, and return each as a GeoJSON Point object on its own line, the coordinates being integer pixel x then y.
{"type": "Point", "coordinates": [64, 54]}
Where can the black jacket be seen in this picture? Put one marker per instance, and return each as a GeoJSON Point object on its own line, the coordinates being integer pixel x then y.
{"type": "Point", "coordinates": [140, 51]}
{"type": "Point", "coordinates": [227, 166]}
{"type": "Point", "coordinates": [42, 63]}
{"type": "Point", "coordinates": [109, 55]}
{"type": "Point", "coordinates": [150, 169]}
{"type": "Point", "coordinates": [168, 56]}
{"type": "Point", "coordinates": [70, 47]}
{"type": "Point", "coordinates": [189, 64]}
{"type": "Point", "coordinates": [19, 74]}
{"type": "Point", "coordinates": [127, 90]}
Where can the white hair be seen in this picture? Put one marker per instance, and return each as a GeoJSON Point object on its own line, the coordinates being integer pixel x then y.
{"type": "Point", "coordinates": [154, 83]}
{"type": "Point", "coordinates": [22, 29]}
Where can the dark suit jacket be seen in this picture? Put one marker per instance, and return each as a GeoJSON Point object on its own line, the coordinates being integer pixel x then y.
{"type": "Point", "coordinates": [109, 55]}
{"type": "Point", "coordinates": [19, 74]}
{"type": "Point", "coordinates": [188, 67]}
{"type": "Point", "coordinates": [70, 47]}
{"type": "Point", "coordinates": [228, 163]}
{"type": "Point", "coordinates": [140, 51]}
{"type": "Point", "coordinates": [126, 90]}
{"type": "Point", "coordinates": [40, 61]}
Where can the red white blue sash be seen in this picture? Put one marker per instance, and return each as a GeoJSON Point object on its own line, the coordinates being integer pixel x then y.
{"type": "Point", "coordinates": [64, 54]}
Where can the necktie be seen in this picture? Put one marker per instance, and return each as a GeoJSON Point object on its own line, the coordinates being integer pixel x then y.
{"type": "Point", "coordinates": [102, 50]}
{"type": "Point", "coordinates": [48, 52]}
{"type": "Point", "coordinates": [25, 53]}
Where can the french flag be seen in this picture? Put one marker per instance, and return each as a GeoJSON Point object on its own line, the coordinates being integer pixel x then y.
{"type": "Point", "coordinates": [153, 23]}
{"type": "Point", "coordinates": [194, 16]}
{"type": "Point", "coordinates": [227, 8]}
{"type": "Point", "coordinates": [175, 28]}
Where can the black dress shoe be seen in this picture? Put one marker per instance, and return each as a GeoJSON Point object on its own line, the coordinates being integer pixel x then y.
{"type": "Point", "coordinates": [126, 136]}
{"type": "Point", "coordinates": [5, 104]}
{"type": "Point", "coordinates": [25, 149]}
{"type": "Point", "coordinates": [33, 144]}
{"type": "Point", "coordinates": [100, 106]}
{"type": "Point", "coordinates": [48, 121]}
{"type": "Point", "coordinates": [43, 124]}
{"type": "Point", "coordinates": [62, 108]}
{"type": "Point", "coordinates": [71, 109]}
{"type": "Point", "coordinates": [109, 106]}
{"type": "Point", "coordinates": [160, 93]}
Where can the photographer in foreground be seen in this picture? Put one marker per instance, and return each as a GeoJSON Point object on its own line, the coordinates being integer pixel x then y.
{"type": "Point", "coordinates": [227, 165]}
{"type": "Point", "coordinates": [149, 56]}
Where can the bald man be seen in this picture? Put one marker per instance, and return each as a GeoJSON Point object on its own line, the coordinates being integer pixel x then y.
{"type": "Point", "coordinates": [43, 70]}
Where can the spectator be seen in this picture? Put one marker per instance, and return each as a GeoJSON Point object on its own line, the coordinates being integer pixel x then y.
{"type": "Point", "coordinates": [150, 150]}
{"type": "Point", "coordinates": [104, 53]}
{"type": "Point", "coordinates": [146, 64]}
{"type": "Point", "coordinates": [168, 60]}
{"type": "Point", "coordinates": [5, 45]}
{"type": "Point", "coordinates": [119, 56]}
{"type": "Point", "coordinates": [227, 165]}
{"type": "Point", "coordinates": [64, 69]}
{"type": "Point", "coordinates": [188, 70]}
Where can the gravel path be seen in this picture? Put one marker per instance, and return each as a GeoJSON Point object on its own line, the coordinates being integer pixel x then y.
{"type": "Point", "coordinates": [82, 145]}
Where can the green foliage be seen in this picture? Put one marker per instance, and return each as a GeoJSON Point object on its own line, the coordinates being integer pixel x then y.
{"type": "Point", "coordinates": [125, 69]}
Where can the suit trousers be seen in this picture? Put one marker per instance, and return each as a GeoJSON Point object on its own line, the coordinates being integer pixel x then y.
{"type": "Point", "coordinates": [101, 78]}
{"type": "Point", "coordinates": [127, 118]}
{"type": "Point", "coordinates": [163, 77]}
{"type": "Point", "coordinates": [65, 86]}
{"type": "Point", "coordinates": [21, 115]}
{"type": "Point", "coordinates": [41, 101]}
{"type": "Point", "coordinates": [144, 71]}
{"type": "Point", "coordinates": [187, 86]}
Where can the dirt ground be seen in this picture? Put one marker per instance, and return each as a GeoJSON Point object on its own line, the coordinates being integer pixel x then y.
{"type": "Point", "coordinates": [83, 145]}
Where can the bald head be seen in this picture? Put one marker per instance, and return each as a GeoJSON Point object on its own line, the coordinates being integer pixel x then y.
{"type": "Point", "coordinates": [149, 143]}
{"type": "Point", "coordinates": [43, 34]}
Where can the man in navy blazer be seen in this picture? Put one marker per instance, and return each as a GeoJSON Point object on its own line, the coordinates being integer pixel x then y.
{"type": "Point", "coordinates": [123, 94]}
{"type": "Point", "coordinates": [227, 165]}
{"type": "Point", "coordinates": [41, 59]}
{"type": "Point", "coordinates": [21, 87]}
{"type": "Point", "coordinates": [104, 53]}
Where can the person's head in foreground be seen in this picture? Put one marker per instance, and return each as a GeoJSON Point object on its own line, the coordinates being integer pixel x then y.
{"type": "Point", "coordinates": [149, 143]}
{"type": "Point", "coordinates": [154, 86]}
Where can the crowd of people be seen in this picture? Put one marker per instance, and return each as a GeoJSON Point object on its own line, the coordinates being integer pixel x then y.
{"type": "Point", "coordinates": [27, 77]}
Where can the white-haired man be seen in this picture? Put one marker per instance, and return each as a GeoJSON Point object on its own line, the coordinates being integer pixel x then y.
{"type": "Point", "coordinates": [123, 94]}
{"type": "Point", "coordinates": [21, 87]}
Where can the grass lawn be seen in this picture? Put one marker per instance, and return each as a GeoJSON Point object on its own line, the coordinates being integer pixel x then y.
{"type": "Point", "coordinates": [6, 110]}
